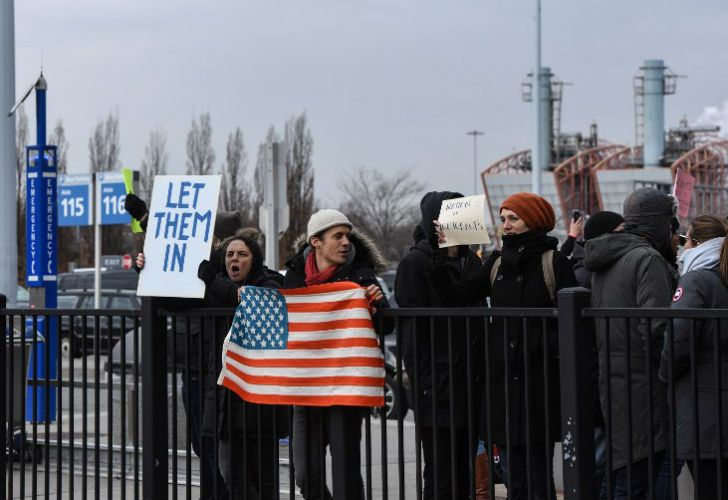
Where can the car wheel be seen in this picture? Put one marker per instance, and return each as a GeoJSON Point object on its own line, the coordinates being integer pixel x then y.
{"type": "Point", "coordinates": [67, 349]}
{"type": "Point", "coordinates": [394, 400]}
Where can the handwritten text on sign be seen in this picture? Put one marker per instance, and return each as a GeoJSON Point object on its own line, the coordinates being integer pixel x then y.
{"type": "Point", "coordinates": [179, 235]}
{"type": "Point", "coordinates": [462, 221]}
{"type": "Point", "coordinates": [684, 185]}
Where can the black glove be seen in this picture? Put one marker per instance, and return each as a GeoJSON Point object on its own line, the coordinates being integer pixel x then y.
{"type": "Point", "coordinates": [206, 272]}
{"type": "Point", "coordinates": [135, 206]}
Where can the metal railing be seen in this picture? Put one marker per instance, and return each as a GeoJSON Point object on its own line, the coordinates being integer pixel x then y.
{"type": "Point", "coordinates": [518, 381]}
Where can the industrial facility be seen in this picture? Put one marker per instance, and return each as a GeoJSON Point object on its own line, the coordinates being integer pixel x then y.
{"type": "Point", "coordinates": [584, 172]}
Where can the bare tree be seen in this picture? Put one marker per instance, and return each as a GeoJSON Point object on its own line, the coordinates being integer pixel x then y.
{"type": "Point", "coordinates": [200, 155]}
{"type": "Point", "coordinates": [235, 191]}
{"type": "Point", "coordinates": [154, 162]}
{"type": "Point", "coordinates": [21, 140]}
{"type": "Point", "coordinates": [58, 137]}
{"type": "Point", "coordinates": [103, 145]}
{"type": "Point", "coordinates": [384, 206]}
{"type": "Point", "coordinates": [300, 177]}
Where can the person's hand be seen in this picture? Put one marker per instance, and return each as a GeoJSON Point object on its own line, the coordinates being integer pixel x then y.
{"type": "Point", "coordinates": [576, 228]}
{"type": "Point", "coordinates": [135, 206]}
{"type": "Point", "coordinates": [206, 272]}
{"type": "Point", "coordinates": [374, 294]}
{"type": "Point", "coordinates": [140, 261]}
{"type": "Point", "coordinates": [240, 293]}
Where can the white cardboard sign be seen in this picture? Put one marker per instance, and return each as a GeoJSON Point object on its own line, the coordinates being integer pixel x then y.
{"type": "Point", "coordinates": [179, 235]}
{"type": "Point", "coordinates": [462, 221]}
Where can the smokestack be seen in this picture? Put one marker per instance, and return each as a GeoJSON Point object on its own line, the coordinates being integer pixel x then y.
{"type": "Point", "coordinates": [654, 102]}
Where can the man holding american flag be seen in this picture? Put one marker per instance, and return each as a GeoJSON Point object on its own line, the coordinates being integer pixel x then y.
{"type": "Point", "coordinates": [333, 252]}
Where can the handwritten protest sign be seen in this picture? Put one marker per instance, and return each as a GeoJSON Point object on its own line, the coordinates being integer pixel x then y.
{"type": "Point", "coordinates": [179, 235]}
{"type": "Point", "coordinates": [683, 191]}
{"type": "Point", "coordinates": [462, 221]}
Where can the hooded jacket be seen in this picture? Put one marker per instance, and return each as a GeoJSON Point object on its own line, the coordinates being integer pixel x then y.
{"type": "Point", "coordinates": [425, 349]}
{"type": "Point", "coordinates": [532, 403]}
{"type": "Point", "coordinates": [630, 273]}
{"type": "Point", "coordinates": [701, 287]}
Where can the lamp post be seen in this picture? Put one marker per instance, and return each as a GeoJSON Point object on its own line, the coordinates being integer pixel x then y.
{"type": "Point", "coordinates": [475, 134]}
{"type": "Point", "coordinates": [537, 161]}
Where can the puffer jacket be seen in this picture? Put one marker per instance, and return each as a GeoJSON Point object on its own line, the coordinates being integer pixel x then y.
{"type": "Point", "coordinates": [224, 413]}
{"type": "Point", "coordinates": [519, 283]}
{"type": "Point", "coordinates": [413, 288]}
{"type": "Point", "coordinates": [699, 289]}
{"type": "Point", "coordinates": [630, 273]}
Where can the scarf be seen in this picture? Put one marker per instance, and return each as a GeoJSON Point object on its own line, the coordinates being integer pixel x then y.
{"type": "Point", "coordinates": [313, 276]}
{"type": "Point", "coordinates": [518, 248]}
{"type": "Point", "coordinates": [704, 256]}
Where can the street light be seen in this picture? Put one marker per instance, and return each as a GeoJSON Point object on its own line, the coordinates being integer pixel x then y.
{"type": "Point", "coordinates": [475, 134]}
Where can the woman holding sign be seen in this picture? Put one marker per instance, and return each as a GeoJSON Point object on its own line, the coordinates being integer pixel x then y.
{"type": "Point", "coordinates": [528, 273]}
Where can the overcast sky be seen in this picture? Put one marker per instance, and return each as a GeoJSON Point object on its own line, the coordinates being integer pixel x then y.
{"type": "Point", "coordinates": [386, 84]}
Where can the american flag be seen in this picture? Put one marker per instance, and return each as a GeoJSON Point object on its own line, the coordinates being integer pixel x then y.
{"type": "Point", "coordinates": [312, 346]}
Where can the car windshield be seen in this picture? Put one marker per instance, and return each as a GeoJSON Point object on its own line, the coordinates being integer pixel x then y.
{"type": "Point", "coordinates": [67, 301]}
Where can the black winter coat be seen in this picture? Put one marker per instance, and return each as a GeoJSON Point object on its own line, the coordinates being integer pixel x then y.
{"type": "Point", "coordinates": [224, 412]}
{"type": "Point", "coordinates": [519, 283]}
{"type": "Point", "coordinates": [699, 289]}
{"type": "Point", "coordinates": [413, 288]}
{"type": "Point", "coordinates": [629, 273]}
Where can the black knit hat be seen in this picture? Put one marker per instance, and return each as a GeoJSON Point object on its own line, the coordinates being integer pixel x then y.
{"type": "Point", "coordinates": [226, 223]}
{"type": "Point", "coordinates": [601, 223]}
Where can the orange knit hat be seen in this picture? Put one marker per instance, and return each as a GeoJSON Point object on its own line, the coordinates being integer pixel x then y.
{"type": "Point", "coordinates": [536, 212]}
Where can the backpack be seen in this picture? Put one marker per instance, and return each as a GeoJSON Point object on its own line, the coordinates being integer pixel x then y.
{"type": "Point", "coordinates": [547, 264]}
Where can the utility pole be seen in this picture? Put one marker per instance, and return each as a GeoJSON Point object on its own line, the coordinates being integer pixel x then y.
{"type": "Point", "coordinates": [537, 162]}
{"type": "Point", "coordinates": [8, 225]}
{"type": "Point", "coordinates": [475, 134]}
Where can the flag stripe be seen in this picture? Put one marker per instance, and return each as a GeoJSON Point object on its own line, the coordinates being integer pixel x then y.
{"type": "Point", "coordinates": [344, 323]}
{"type": "Point", "coordinates": [333, 344]}
{"type": "Point", "coordinates": [333, 306]}
{"type": "Point", "coordinates": [308, 362]}
{"type": "Point", "coordinates": [326, 317]}
{"type": "Point", "coordinates": [291, 399]}
{"type": "Point", "coordinates": [323, 391]}
{"type": "Point", "coordinates": [321, 291]}
{"type": "Point", "coordinates": [322, 371]}
{"type": "Point", "coordinates": [349, 333]}
{"type": "Point", "coordinates": [305, 381]}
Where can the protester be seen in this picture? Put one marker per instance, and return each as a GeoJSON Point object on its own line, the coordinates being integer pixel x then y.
{"type": "Point", "coordinates": [332, 251]}
{"type": "Point", "coordinates": [528, 273]}
{"type": "Point", "coordinates": [599, 223]}
{"type": "Point", "coordinates": [703, 285]}
{"type": "Point", "coordinates": [632, 270]}
{"type": "Point", "coordinates": [420, 342]}
{"type": "Point", "coordinates": [576, 233]}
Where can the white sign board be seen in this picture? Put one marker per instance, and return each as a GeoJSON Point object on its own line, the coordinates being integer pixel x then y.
{"type": "Point", "coordinates": [179, 235]}
{"type": "Point", "coordinates": [462, 221]}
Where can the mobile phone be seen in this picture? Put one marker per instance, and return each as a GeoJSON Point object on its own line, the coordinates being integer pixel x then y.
{"type": "Point", "coordinates": [575, 215]}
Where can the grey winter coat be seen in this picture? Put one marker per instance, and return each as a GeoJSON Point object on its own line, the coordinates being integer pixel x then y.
{"type": "Point", "coordinates": [699, 289]}
{"type": "Point", "coordinates": [629, 273]}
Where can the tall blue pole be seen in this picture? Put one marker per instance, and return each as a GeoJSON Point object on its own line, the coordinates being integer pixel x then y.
{"type": "Point", "coordinates": [41, 245]}
{"type": "Point", "coordinates": [654, 91]}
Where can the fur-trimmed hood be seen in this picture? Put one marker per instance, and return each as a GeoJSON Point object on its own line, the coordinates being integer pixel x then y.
{"type": "Point", "coordinates": [365, 250]}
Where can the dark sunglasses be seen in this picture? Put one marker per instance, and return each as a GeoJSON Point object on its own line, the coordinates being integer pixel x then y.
{"type": "Point", "coordinates": [684, 239]}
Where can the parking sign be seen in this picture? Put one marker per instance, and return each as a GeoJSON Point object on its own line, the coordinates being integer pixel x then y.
{"type": "Point", "coordinates": [75, 200]}
{"type": "Point", "coordinates": [110, 196]}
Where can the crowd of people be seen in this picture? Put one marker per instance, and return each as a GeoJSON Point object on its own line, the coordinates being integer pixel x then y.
{"type": "Point", "coordinates": [628, 260]}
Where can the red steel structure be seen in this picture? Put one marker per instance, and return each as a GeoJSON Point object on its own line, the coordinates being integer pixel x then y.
{"type": "Point", "coordinates": [707, 163]}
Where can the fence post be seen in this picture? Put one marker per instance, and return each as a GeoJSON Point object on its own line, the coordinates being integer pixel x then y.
{"type": "Point", "coordinates": [3, 395]}
{"type": "Point", "coordinates": [154, 402]}
{"type": "Point", "coordinates": [576, 350]}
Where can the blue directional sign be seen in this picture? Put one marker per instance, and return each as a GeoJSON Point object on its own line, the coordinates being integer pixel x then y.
{"type": "Point", "coordinates": [40, 221]}
{"type": "Point", "coordinates": [110, 197]}
{"type": "Point", "coordinates": [75, 200]}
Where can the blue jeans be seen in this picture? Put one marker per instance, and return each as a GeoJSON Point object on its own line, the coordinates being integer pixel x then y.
{"type": "Point", "coordinates": [641, 479]}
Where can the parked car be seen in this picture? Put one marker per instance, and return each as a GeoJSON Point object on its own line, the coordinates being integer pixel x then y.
{"type": "Point", "coordinates": [84, 328]}
{"type": "Point", "coordinates": [112, 279]}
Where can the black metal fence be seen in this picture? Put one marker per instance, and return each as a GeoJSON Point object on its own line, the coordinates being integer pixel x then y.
{"type": "Point", "coordinates": [475, 398]}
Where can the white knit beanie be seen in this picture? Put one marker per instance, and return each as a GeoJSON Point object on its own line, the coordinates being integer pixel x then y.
{"type": "Point", "coordinates": [326, 219]}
